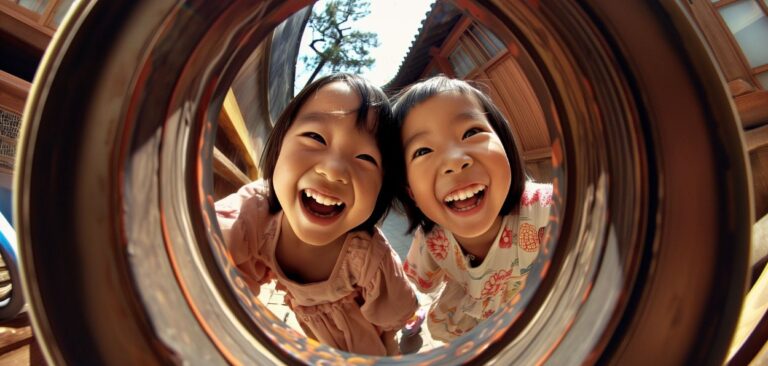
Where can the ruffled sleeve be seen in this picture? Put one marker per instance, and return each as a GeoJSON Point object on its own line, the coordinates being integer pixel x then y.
{"type": "Point", "coordinates": [389, 300]}
{"type": "Point", "coordinates": [239, 214]}
{"type": "Point", "coordinates": [420, 267]}
{"type": "Point", "coordinates": [536, 202]}
{"type": "Point", "coordinates": [535, 205]}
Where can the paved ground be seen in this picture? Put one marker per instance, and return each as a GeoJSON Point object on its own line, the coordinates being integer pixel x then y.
{"type": "Point", "coordinates": [394, 228]}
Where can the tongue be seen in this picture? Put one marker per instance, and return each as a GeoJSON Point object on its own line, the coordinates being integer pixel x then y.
{"type": "Point", "coordinates": [320, 209]}
{"type": "Point", "coordinates": [466, 202]}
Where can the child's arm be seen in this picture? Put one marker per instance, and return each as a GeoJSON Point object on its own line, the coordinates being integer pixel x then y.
{"type": "Point", "coordinates": [420, 267]}
{"type": "Point", "coordinates": [228, 209]}
{"type": "Point", "coordinates": [535, 207]}
{"type": "Point", "coordinates": [389, 299]}
{"type": "Point", "coordinates": [237, 215]}
{"type": "Point", "coordinates": [390, 342]}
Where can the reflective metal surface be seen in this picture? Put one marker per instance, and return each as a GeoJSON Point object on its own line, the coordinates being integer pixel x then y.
{"type": "Point", "coordinates": [647, 257]}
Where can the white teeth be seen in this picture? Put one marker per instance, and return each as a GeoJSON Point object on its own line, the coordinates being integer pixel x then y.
{"type": "Point", "coordinates": [322, 199]}
{"type": "Point", "coordinates": [465, 193]}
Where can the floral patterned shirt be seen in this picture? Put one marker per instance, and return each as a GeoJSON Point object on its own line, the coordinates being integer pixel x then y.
{"type": "Point", "coordinates": [472, 294]}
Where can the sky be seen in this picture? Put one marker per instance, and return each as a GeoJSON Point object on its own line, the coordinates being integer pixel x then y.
{"type": "Point", "coordinates": [396, 23]}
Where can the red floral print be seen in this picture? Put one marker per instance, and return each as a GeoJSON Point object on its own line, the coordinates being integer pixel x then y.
{"type": "Point", "coordinates": [409, 270]}
{"type": "Point", "coordinates": [513, 290]}
{"type": "Point", "coordinates": [411, 273]}
{"type": "Point", "coordinates": [459, 256]}
{"type": "Point", "coordinates": [506, 238]}
{"type": "Point", "coordinates": [424, 283]}
{"type": "Point", "coordinates": [437, 244]}
{"type": "Point", "coordinates": [529, 238]}
{"type": "Point", "coordinates": [496, 282]}
{"type": "Point", "coordinates": [542, 196]}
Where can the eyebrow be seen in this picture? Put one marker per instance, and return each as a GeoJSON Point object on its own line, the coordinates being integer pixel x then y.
{"type": "Point", "coordinates": [459, 117]}
{"type": "Point", "coordinates": [469, 115]}
{"type": "Point", "coordinates": [322, 116]}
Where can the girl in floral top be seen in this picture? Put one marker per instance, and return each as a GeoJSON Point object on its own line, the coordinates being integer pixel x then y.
{"type": "Point", "coordinates": [479, 222]}
{"type": "Point", "coordinates": [310, 224]}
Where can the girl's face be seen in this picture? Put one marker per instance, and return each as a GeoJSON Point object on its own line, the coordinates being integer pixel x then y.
{"type": "Point", "coordinates": [328, 173]}
{"type": "Point", "coordinates": [458, 171]}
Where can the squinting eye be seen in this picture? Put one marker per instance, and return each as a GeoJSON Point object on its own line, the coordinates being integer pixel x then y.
{"type": "Point", "coordinates": [421, 151]}
{"type": "Point", "coordinates": [369, 158]}
{"type": "Point", "coordinates": [471, 132]}
{"type": "Point", "coordinates": [315, 136]}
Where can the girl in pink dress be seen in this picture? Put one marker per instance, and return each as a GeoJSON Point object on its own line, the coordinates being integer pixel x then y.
{"type": "Point", "coordinates": [479, 222]}
{"type": "Point", "coordinates": [310, 224]}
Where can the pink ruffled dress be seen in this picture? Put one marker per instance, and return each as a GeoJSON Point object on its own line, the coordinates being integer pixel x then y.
{"type": "Point", "coordinates": [366, 294]}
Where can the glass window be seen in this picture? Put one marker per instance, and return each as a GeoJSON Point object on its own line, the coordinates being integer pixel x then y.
{"type": "Point", "coordinates": [749, 26]}
{"type": "Point", "coordinates": [763, 79]}
{"type": "Point", "coordinates": [474, 50]}
{"type": "Point", "coordinates": [461, 62]}
{"type": "Point", "coordinates": [60, 12]}
{"type": "Point", "coordinates": [38, 6]}
{"type": "Point", "coordinates": [490, 43]}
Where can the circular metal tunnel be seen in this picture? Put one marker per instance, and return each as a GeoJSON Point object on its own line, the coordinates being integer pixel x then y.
{"type": "Point", "coordinates": [123, 264]}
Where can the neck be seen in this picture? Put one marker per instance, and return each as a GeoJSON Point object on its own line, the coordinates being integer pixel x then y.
{"type": "Point", "coordinates": [479, 245]}
{"type": "Point", "coordinates": [289, 238]}
{"type": "Point", "coordinates": [304, 262]}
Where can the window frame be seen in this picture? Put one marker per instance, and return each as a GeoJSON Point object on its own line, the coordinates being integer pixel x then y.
{"type": "Point", "coordinates": [461, 36]}
{"type": "Point", "coordinates": [747, 73]}
{"type": "Point", "coordinates": [32, 28]}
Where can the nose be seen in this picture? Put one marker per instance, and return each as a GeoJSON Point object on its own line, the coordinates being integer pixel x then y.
{"type": "Point", "coordinates": [456, 161]}
{"type": "Point", "coordinates": [334, 170]}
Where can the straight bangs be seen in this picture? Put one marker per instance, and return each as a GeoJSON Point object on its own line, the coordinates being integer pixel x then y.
{"type": "Point", "coordinates": [372, 99]}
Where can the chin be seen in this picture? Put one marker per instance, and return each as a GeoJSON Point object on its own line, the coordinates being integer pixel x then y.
{"type": "Point", "coordinates": [463, 231]}
{"type": "Point", "coordinates": [466, 234]}
{"type": "Point", "coordinates": [316, 239]}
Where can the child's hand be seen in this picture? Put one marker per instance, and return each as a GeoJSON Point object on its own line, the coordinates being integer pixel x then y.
{"type": "Point", "coordinates": [413, 326]}
{"type": "Point", "coordinates": [388, 337]}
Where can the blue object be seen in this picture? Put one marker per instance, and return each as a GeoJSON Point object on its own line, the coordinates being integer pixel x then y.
{"type": "Point", "coordinates": [11, 303]}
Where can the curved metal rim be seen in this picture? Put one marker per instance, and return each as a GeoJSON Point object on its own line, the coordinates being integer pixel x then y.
{"type": "Point", "coordinates": [728, 139]}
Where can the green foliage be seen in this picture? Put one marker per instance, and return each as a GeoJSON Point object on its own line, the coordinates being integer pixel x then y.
{"type": "Point", "coordinates": [334, 42]}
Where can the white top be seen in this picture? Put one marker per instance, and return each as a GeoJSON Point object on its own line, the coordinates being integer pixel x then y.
{"type": "Point", "coordinates": [472, 294]}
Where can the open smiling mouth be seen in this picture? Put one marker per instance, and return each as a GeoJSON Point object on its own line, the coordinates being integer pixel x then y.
{"type": "Point", "coordinates": [321, 205]}
{"type": "Point", "coordinates": [465, 199]}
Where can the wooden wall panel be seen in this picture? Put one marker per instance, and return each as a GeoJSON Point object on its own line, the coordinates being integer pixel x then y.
{"type": "Point", "coordinates": [13, 92]}
{"type": "Point", "coordinates": [513, 92]}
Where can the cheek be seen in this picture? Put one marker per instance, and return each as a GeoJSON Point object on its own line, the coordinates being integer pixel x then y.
{"type": "Point", "coordinates": [374, 186]}
{"type": "Point", "coordinates": [282, 161]}
{"type": "Point", "coordinates": [501, 170]}
{"type": "Point", "coordinates": [281, 188]}
{"type": "Point", "coordinates": [370, 186]}
{"type": "Point", "coordinates": [415, 173]}
{"type": "Point", "coordinates": [283, 176]}
{"type": "Point", "coordinates": [501, 163]}
{"type": "Point", "coordinates": [413, 181]}
{"type": "Point", "coordinates": [420, 188]}
{"type": "Point", "coordinates": [498, 156]}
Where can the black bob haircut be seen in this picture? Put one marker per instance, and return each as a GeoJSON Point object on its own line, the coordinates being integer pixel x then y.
{"type": "Point", "coordinates": [372, 98]}
{"type": "Point", "coordinates": [413, 95]}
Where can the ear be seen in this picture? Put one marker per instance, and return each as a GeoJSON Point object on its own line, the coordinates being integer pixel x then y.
{"type": "Point", "coordinates": [410, 194]}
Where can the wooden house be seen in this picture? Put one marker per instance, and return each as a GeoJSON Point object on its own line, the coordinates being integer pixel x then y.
{"type": "Point", "coordinates": [452, 43]}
